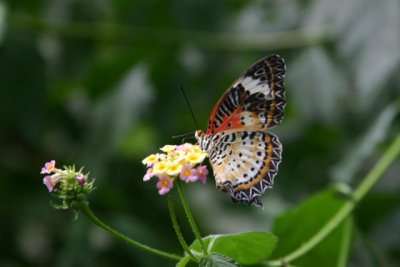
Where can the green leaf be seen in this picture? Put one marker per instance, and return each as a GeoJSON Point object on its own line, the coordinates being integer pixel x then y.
{"type": "Point", "coordinates": [245, 248]}
{"type": "Point", "coordinates": [296, 227]}
{"type": "Point", "coordinates": [217, 260]}
{"type": "Point", "coordinates": [332, 251]}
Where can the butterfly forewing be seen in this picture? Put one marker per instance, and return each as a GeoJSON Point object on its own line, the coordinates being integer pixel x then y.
{"type": "Point", "coordinates": [255, 101]}
{"type": "Point", "coordinates": [243, 155]}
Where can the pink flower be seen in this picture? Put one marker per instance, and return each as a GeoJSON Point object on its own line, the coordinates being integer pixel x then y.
{"type": "Point", "coordinates": [180, 147]}
{"type": "Point", "coordinates": [202, 173]}
{"type": "Point", "coordinates": [50, 182]}
{"type": "Point", "coordinates": [148, 174]}
{"type": "Point", "coordinates": [188, 174]}
{"type": "Point", "coordinates": [164, 184]}
{"type": "Point", "coordinates": [80, 178]}
{"type": "Point", "coordinates": [48, 167]}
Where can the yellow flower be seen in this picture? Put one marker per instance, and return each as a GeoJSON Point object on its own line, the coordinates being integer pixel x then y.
{"type": "Point", "coordinates": [174, 169]}
{"type": "Point", "coordinates": [171, 162]}
{"type": "Point", "coordinates": [197, 149]}
{"type": "Point", "coordinates": [150, 160]}
{"type": "Point", "coordinates": [195, 158]}
{"type": "Point", "coordinates": [160, 168]}
{"type": "Point", "coordinates": [176, 155]}
{"type": "Point", "coordinates": [162, 157]}
{"type": "Point", "coordinates": [168, 148]}
{"type": "Point", "coordinates": [182, 161]}
{"type": "Point", "coordinates": [190, 147]}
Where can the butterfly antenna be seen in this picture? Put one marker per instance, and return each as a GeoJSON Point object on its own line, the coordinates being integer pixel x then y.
{"type": "Point", "coordinates": [190, 108]}
{"type": "Point", "coordinates": [183, 135]}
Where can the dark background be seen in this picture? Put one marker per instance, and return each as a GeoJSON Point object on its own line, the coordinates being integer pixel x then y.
{"type": "Point", "coordinates": [96, 83]}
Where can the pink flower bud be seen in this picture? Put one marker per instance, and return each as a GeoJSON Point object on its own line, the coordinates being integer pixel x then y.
{"type": "Point", "coordinates": [80, 178]}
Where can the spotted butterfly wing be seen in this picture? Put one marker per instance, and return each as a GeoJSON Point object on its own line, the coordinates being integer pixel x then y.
{"type": "Point", "coordinates": [243, 155]}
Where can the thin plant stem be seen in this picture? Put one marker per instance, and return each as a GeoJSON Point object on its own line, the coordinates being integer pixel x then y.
{"type": "Point", "coordinates": [190, 216]}
{"type": "Point", "coordinates": [90, 215]}
{"type": "Point", "coordinates": [372, 177]}
{"type": "Point", "coordinates": [178, 231]}
{"type": "Point", "coordinates": [125, 33]}
{"type": "Point", "coordinates": [345, 243]}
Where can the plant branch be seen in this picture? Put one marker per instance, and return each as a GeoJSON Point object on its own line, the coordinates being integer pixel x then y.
{"type": "Point", "coordinates": [345, 242]}
{"type": "Point", "coordinates": [190, 216]}
{"type": "Point", "coordinates": [372, 177]}
{"type": "Point", "coordinates": [178, 231]}
{"type": "Point", "coordinates": [90, 215]}
{"type": "Point", "coordinates": [108, 31]}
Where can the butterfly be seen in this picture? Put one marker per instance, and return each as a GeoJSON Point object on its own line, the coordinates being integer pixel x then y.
{"type": "Point", "coordinates": [243, 155]}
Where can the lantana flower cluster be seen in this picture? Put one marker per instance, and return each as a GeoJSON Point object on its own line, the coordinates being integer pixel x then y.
{"type": "Point", "coordinates": [69, 185]}
{"type": "Point", "coordinates": [176, 161]}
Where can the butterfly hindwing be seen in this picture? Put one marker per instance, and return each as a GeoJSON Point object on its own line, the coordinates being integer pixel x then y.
{"type": "Point", "coordinates": [243, 155]}
{"type": "Point", "coordinates": [255, 101]}
{"type": "Point", "coordinates": [245, 163]}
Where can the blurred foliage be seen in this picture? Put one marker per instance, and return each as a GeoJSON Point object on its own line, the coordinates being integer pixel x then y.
{"type": "Point", "coordinates": [96, 83]}
{"type": "Point", "coordinates": [301, 224]}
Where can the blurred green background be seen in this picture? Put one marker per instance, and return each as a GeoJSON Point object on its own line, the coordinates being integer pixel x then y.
{"type": "Point", "coordinates": [96, 83]}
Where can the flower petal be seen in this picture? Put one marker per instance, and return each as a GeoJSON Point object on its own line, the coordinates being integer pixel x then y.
{"type": "Point", "coordinates": [48, 181]}
{"type": "Point", "coordinates": [188, 174]}
{"type": "Point", "coordinates": [48, 167]}
{"type": "Point", "coordinates": [160, 168]}
{"type": "Point", "coordinates": [149, 174]}
{"type": "Point", "coordinates": [150, 160]}
{"type": "Point", "coordinates": [168, 148]}
{"type": "Point", "coordinates": [80, 178]}
{"type": "Point", "coordinates": [174, 169]}
{"type": "Point", "coordinates": [202, 173]}
{"type": "Point", "coordinates": [164, 184]}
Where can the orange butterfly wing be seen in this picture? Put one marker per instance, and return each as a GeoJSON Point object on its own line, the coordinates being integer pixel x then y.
{"type": "Point", "coordinates": [243, 156]}
{"type": "Point", "coordinates": [254, 101]}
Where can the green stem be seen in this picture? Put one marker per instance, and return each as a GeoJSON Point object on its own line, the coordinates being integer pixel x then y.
{"type": "Point", "coordinates": [178, 231]}
{"type": "Point", "coordinates": [90, 215]}
{"type": "Point", "coordinates": [106, 31]}
{"type": "Point", "coordinates": [190, 217]}
{"type": "Point", "coordinates": [367, 183]}
{"type": "Point", "coordinates": [345, 243]}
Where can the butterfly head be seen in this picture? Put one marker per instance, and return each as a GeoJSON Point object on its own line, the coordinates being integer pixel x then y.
{"type": "Point", "coordinates": [201, 140]}
{"type": "Point", "coordinates": [199, 135]}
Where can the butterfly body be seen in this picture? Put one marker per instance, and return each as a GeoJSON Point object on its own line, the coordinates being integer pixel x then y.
{"type": "Point", "coordinates": [243, 155]}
